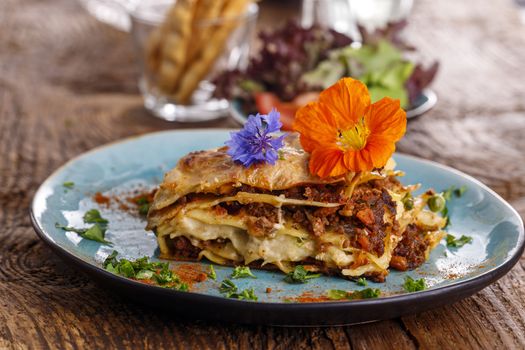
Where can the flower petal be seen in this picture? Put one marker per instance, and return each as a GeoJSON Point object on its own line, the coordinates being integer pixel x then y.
{"type": "Point", "coordinates": [347, 101]}
{"type": "Point", "coordinates": [273, 121]}
{"type": "Point", "coordinates": [380, 150]}
{"type": "Point", "coordinates": [325, 162]}
{"type": "Point", "coordinates": [388, 119]}
{"type": "Point", "coordinates": [315, 125]}
{"type": "Point", "coordinates": [360, 160]}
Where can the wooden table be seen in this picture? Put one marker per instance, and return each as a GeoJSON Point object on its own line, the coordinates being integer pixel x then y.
{"type": "Point", "coordinates": [68, 83]}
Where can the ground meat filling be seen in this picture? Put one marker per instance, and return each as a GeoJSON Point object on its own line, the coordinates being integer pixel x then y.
{"type": "Point", "coordinates": [410, 252]}
{"type": "Point", "coordinates": [361, 219]}
{"type": "Point", "coordinates": [183, 248]}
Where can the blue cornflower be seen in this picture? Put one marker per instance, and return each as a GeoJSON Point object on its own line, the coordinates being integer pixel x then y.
{"type": "Point", "coordinates": [253, 143]}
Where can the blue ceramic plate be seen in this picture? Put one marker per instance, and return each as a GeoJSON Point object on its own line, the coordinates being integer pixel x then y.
{"type": "Point", "coordinates": [137, 164]}
{"type": "Point", "coordinates": [424, 103]}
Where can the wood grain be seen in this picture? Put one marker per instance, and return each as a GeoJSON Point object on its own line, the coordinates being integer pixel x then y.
{"type": "Point", "coordinates": [68, 83]}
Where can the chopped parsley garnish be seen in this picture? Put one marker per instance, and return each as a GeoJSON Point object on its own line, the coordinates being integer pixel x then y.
{"type": "Point", "coordinates": [458, 243]}
{"type": "Point", "coordinates": [230, 290]}
{"type": "Point", "coordinates": [96, 233]}
{"type": "Point", "coordinates": [143, 269]}
{"type": "Point", "coordinates": [337, 294]}
{"type": "Point", "coordinates": [212, 273]}
{"type": "Point", "coordinates": [242, 272]}
{"type": "Point", "coordinates": [144, 205]}
{"type": "Point", "coordinates": [460, 191]}
{"type": "Point", "coordinates": [68, 184]}
{"type": "Point", "coordinates": [281, 155]}
{"type": "Point", "coordinates": [412, 285]}
{"type": "Point", "coordinates": [408, 201]}
{"type": "Point", "coordinates": [300, 275]}
{"type": "Point", "coordinates": [368, 293]}
{"type": "Point", "coordinates": [247, 294]}
{"type": "Point", "coordinates": [362, 281]}
{"type": "Point", "coordinates": [93, 217]}
{"type": "Point", "coordinates": [447, 196]}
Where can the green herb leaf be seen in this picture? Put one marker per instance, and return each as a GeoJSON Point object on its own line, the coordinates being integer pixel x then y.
{"type": "Point", "coordinates": [300, 275]}
{"type": "Point", "coordinates": [111, 269]}
{"type": "Point", "coordinates": [228, 288]}
{"type": "Point", "coordinates": [367, 293]}
{"type": "Point", "coordinates": [183, 287]}
{"type": "Point", "coordinates": [142, 200]}
{"type": "Point", "coordinates": [111, 259]}
{"type": "Point", "coordinates": [457, 243]}
{"type": "Point", "coordinates": [144, 275]}
{"type": "Point", "coordinates": [93, 217]}
{"type": "Point", "coordinates": [71, 229]}
{"type": "Point", "coordinates": [281, 155]}
{"type": "Point", "coordinates": [412, 285]}
{"type": "Point", "coordinates": [144, 209]}
{"type": "Point", "coordinates": [143, 269]}
{"type": "Point", "coordinates": [212, 273]}
{"type": "Point", "coordinates": [460, 191]}
{"type": "Point", "coordinates": [362, 281]}
{"type": "Point", "coordinates": [165, 276]}
{"type": "Point", "coordinates": [68, 184]}
{"type": "Point", "coordinates": [242, 272]}
{"type": "Point", "coordinates": [447, 194]}
{"type": "Point", "coordinates": [125, 268]}
{"type": "Point", "coordinates": [95, 233]}
{"type": "Point", "coordinates": [337, 294]}
{"type": "Point", "coordinates": [247, 294]}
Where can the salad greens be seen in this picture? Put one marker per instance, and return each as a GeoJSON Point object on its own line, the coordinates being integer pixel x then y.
{"type": "Point", "coordinates": [295, 60]}
{"type": "Point", "coordinates": [381, 67]}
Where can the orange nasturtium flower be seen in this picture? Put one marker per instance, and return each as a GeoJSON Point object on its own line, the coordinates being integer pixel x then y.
{"type": "Point", "coordinates": [344, 132]}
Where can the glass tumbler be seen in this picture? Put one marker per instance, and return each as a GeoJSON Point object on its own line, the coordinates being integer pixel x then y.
{"type": "Point", "coordinates": [184, 92]}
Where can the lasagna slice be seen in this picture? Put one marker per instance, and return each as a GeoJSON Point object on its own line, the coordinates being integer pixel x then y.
{"type": "Point", "coordinates": [280, 216]}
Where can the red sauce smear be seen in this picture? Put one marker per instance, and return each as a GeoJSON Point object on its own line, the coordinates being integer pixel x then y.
{"type": "Point", "coordinates": [101, 199]}
{"type": "Point", "coordinates": [310, 297]}
{"type": "Point", "coordinates": [190, 273]}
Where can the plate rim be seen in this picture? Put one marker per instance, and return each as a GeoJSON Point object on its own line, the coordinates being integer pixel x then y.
{"type": "Point", "coordinates": [413, 113]}
{"type": "Point", "coordinates": [472, 284]}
